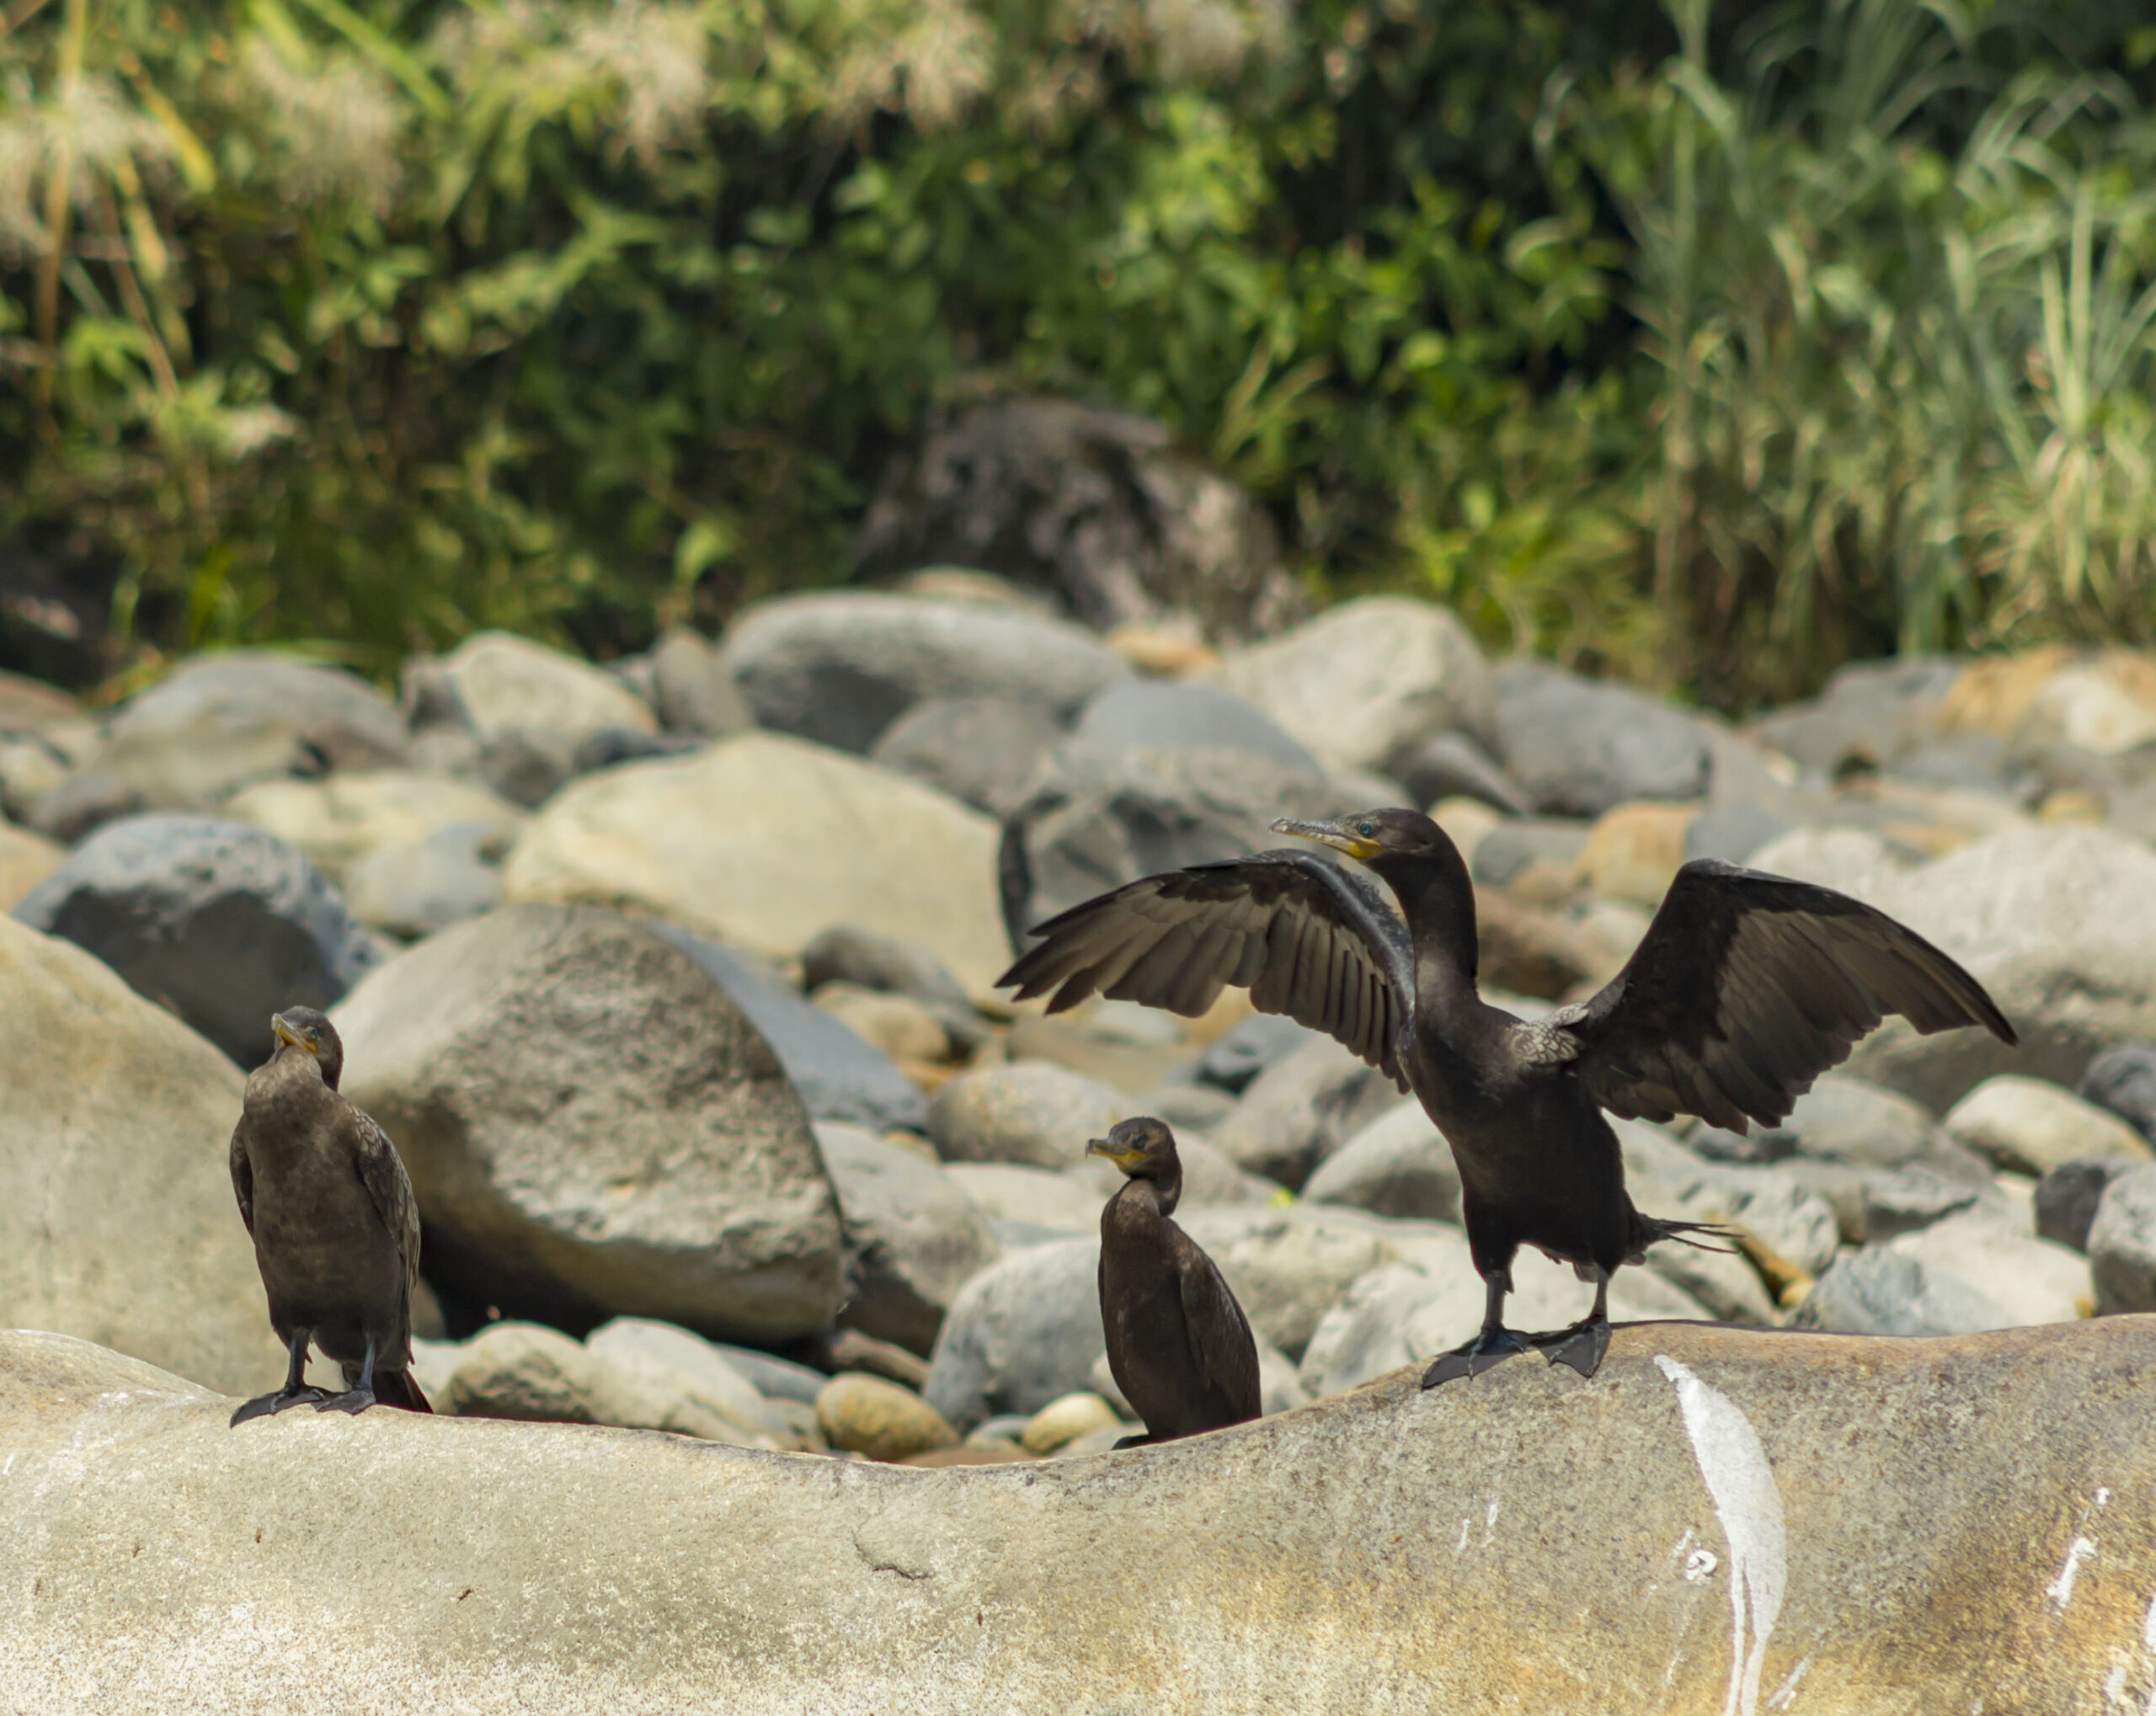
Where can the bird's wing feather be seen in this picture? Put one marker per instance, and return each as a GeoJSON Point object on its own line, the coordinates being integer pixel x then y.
{"type": "Point", "coordinates": [242, 1168]}
{"type": "Point", "coordinates": [1747, 988]}
{"type": "Point", "coordinates": [389, 1187]}
{"type": "Point", "coordinates": [1221, 1344]}
{"type": "Point", "coordinates": [1306, 937]}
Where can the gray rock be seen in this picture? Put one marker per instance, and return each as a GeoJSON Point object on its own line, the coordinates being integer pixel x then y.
{"type": "Point", "coordinates": [1961, 762]}
{"type": "Point", "coordinates": [2030, 1280]}
{"type": "Point", "coordinates": [1578, 747]}
{"type": "Point", "coordinates": [497, 686]}
{"type": "Point", "coordinates": [1030, 1111]}
{"type": "Point", "coordinates": [982, 751]}
{"type": "Point", "coordinates": [758, 841]}
{"type": "Point", "coordinates": [1154, 715]}
{"type": "Point", "coordinates": [1453, 766]}
{"type": "Point", "coordinates": [1972, 1468]}
{"type": "Point", "coordinates": [1845, 1119]}
{"type": "Point", "coordinates": [413, 891]}
{"type": "Point", "coordinates": [2069, 1195]}
{"type": "Point", "coordinates": [2054, 920]}
{"type": "Point", "coordinates": [1509, 849]}
{"type": "Point", "coordinates": [1731, 832]}
{"type": "Point", "coordinates": [1399, 1165]}
{"type": "Point", "coordinates": [1366, 683]}
{"type": "Point", "coordinates": [1286, 1267]}
{"type": "Point", "coordinates": [116, 1216]}
{"type": "Point", "coordinates": [1716, 1143]}
{"type": "Point", "coordinates": [1097, 509]}
{"type": "Point", "coordinates": [1096, 817]}
{"type": "Point", "coordinates": [2122, 1079]}
{"type": "Point", "coordinates": [912, 1237]}
{"type": "Point", "coordinates": [593, 1128]}
{"type": "Point", "coordinates": [2122, 1243]}
{"type": "Point", "coordinates": [696, 1369]}
{"type": "Point", "coordinates": [1049, 1204]}
{"type": "Point", "coordinates": [526, 765]}
{"type": "Point", "coordinates": [528, 1372]}
{"type": "Point", "coordinates": [1905, 1199]}
{"type": "Point", "coordinates": [1666, 1179]}
{"type": "Point", "coordinates": [27, 705]}
{"type": "Point", "coordinates": [892, 966]}
{"type": "Point", "coordinates": [1021, 1333]}
{"type": "Point", "coordinates": [840, 667]}
{"type": "Point", "coordinates": [1883, 1291]}
{"type": "Point", "coordinates": [1189, 1108]}
{"type": "Point", "coordinates": [216, 920]}
{"type": "Point", "coordinates": [1868, 714]}
{"type": "Point", "coordinates": [345, 818]}
{"type": "Point", "coordinates": [1249, 1048]}
{"type": "Point", "coordinates": [840, 1077]}
{"type": "Point", "coordinates": [616, 745]}
{"type": "Point", "coordinates": [1302, 1109]}
{"type": "Point", "coordinates": [691, 692]}
{"type": "Point", "coordinates": [218, 721]}
{"type": "Point", "coordinates": [2029, 1125]}
{"type": "Point", "coordinates": [774, 1378]}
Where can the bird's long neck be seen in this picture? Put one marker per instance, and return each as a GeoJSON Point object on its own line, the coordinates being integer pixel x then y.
{"type": "Point", "coordinates": [1161, 1194]}
{"type": "Point", "coordinates": [1437, 897]}
{"type": "Point", "coordinates": [284, 1091]}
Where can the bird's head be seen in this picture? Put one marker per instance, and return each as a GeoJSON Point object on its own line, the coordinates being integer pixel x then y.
{"type": "Point", "coordinates": [1143, 1148]}
{"type": "Point", "coordinates": [304, 1029]}
{"type": "Point", "coordinates": [1372, 837]}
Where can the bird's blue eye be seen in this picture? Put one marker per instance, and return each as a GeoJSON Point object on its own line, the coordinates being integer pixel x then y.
{"type": "Point", "coordinates": [1366, 830]}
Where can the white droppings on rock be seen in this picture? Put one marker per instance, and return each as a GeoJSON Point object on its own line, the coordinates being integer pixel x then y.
{"type": "Point", "coordinates": [2060, 1591]}
{"type": "Point", "coordinates": [1749, 1505]}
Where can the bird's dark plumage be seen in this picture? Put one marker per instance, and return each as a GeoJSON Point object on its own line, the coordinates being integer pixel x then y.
{"type": "Point", "coordinates": [335, 1226]}
{"type": "Point", "coordinates": [1746, 988]}
{"type": "Point", "coordinates": [1178, 1344]}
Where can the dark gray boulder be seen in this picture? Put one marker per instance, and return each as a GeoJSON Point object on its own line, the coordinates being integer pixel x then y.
{"type": "Point", "coordinates": [1868, 714]}
{"type": "Point", "coordinates": [216, 920]}
{"type": "Point", "coordinates": [1301, 1110]}
{"type": "Point", "coordinates": [2122, 1243]}
{"type": "Point", "coordinates": [1452, 764]}
{"type": "Point", "coordinates": [1249, 1047]}
{"type": "Point", "coordinates": [981, 750]}
{"type": "Point", "coordinates": [1577, 747]}
{"type": "Point", "coordinates": [1021, 1333]}
{"type": "Point", "coordinates": [2122, 1079]}
{"type": "Point", "coordinates": [1154, 715]}
{"type": "Point", "coordinates": [2067, 1197]}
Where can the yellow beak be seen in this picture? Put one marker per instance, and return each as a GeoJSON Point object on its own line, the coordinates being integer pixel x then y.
{"type": "Point", "coordinates": [285, 1034]}
{"type": "Point", "coordinates": [1122, 1159]}
{"type": "Point", "coordinates": [1327, 834]}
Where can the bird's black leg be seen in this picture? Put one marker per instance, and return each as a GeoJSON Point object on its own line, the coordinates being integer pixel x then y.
{"type": "Point", "coordinates": [1583, 1345]}
{"type": "Point", "coordinates": [360, 1395]}
{"type": "Point", "coordinates": [1493, 1345]}
{"type": "Point", "coordinates": [296, 1390]}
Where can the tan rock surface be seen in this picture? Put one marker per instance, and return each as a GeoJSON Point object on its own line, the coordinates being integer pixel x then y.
{"type": "Point", "coordinates": [1721, 1521]}
{"type": "Point", "coordinates": [117, 1221]}
{"type": "Point", "coordinates": [25, 859]}
{"type": "Point", "coordinates": [767, 841]}
{"type": "Point", "coordinates": [341, 819]}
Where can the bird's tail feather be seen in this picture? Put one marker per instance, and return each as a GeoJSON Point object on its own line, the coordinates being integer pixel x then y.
{"type": "Point", "coordinates": [396, 1388]}
{"type": "Point", "coordinates": [1648, 1230]}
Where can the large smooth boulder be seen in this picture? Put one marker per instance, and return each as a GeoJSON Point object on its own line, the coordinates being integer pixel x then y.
{"type": "Point", "coordinates": [117, 1220]}
{"type": "Point", "coordinates": [2030, 1127]}
{"type": "Point", "coordinates": [1400, 1164]}
{"type": "Point", "coordinates": [2058, 922]}
{"type": "Point", "coordinates": [2122, 1079]}
{"type": "Point", "coordinates": [1301, 1109]}
{"type": "Point", "coordinates": [1031, 1112]}
{"type": "Point", "coordinates": [1023, 1332]}
{"type": "Point", "coordinates": [1033, 1197]}
{"type": "Point", "coordinates": [2031, 1279]}
{"type": "Point", "coordinates": [1151, 714]}
{"type": "Point", "coordinates": [1869, 1525]}
{"type": "Point", "coordinates": [839, 666]}
{"type": "Point", "coordinates": [767, 841]}
{"type": "Point", "coordinates": [218, 721]}
{"type": "Point", "coordinates": [344, 819]}
{"type": "Point", "coordinates": [216, 920]}
{"type": "Point", "coordinates": [593, 1128]}
{"type": "Point", "coordinates": [1096, 508]}
{"type": "Point", "coordinates": [912, 1237]}
{"type": "Point", "coordinates": [1580, 748]}
{"type": "Point", "coordinates": [500, 684]}
{"type": "Point", "coordinates": [1364, 684]}
{"type": "Point", "coordinates": [1884, 1290]}
{"type": "Point", "coordinates": [982, 751]}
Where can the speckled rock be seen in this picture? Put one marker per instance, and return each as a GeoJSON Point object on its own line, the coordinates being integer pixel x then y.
{"type": "Point", "coordinates": [1879, 1528]}
{"type": "Point", "coordinates": [1030, 1113]}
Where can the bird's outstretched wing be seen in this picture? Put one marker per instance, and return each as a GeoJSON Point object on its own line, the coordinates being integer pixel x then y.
{"type": "Point", "coordinates": [1305, 937]}
{"type": "Point", "coordinates": [389, 1187]}
{"type": "Point", "coordinates": [1221, 1344]}
{"type": "Point", "coordinates": [243, 1176]}
{"type": "Point", "coordinates": [1748, 987]}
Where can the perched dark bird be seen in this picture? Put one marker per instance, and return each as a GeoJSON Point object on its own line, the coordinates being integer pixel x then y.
{"type": "Point", "coordinates": [1178, 1343]}
{"type": "Point", "coordinates": [1747, 988]}
{"type": "Point", "coordinates": [336, 1229]}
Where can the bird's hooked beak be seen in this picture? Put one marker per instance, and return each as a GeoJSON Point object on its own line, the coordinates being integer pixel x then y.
{"type": "Point", "coordinates": [1125, 1159]}
{"type": "Point", "coordinates": [285, 1034]}
{"type": "Point", "coordinates": [1333, 834]}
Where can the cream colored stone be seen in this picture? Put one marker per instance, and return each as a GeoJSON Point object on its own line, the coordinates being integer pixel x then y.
{"type": "Point", "coordinates": [508, 682]}
{"type": "Point", "coordinates": [25, 859]}
{"type": "Point", "coordinates": [898, 1024]}
{"type": "Point", "coordinates": [1064, 1420]}
{"type": "Point", "coordinates": [2030, 1126]}
{"type": "Point", "coordinates": [1466, 820]}
{"type": "Point", "coordinates": [767, 841]}
{"type": "Point", "coordinates": [868, 1415]}
{"type": "Point", "coordinates": [341, 819]}
{"type": "Point", "coordinates": [1632, 852]}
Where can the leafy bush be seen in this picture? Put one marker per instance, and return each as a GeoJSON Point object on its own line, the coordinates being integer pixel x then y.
{"type": "Point", "coordinates": [1708, 354]}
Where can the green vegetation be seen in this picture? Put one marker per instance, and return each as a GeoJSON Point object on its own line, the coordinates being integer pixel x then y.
{"type": "Point", "coordinates": [1713, 350]}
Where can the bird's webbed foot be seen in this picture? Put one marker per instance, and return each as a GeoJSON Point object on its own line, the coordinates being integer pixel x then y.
{"type": "Point", "coordinates": [1580, 1346]}
{"type": "Point", "coordinates": [1492, 1346]}
{"type": "Point", "coordinates": [354, 1400]}
{"type": "Point", "coordinates": [263, 1405]}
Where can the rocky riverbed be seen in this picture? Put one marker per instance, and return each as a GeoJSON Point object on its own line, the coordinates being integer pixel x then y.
{"type": "Point", "coordinates": [672, 980]}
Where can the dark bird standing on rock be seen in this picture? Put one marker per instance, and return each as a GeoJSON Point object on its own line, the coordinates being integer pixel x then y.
{"type": "Point", "coordinates": [336, 1229]}
{"type": "Point", "coordinates": [1178, 1343]}
{"type": "Point", "coordinates": [1746, 988]}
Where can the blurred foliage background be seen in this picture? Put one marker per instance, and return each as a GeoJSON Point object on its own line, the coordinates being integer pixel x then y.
{"type": "Point", "coordinates": [1711, 346]}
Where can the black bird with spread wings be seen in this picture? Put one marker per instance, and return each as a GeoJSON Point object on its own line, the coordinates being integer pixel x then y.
{"type": "Point", "coordinates": [1746, 988]}
{"type": "Point", "coordinates": [335, 1226]}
